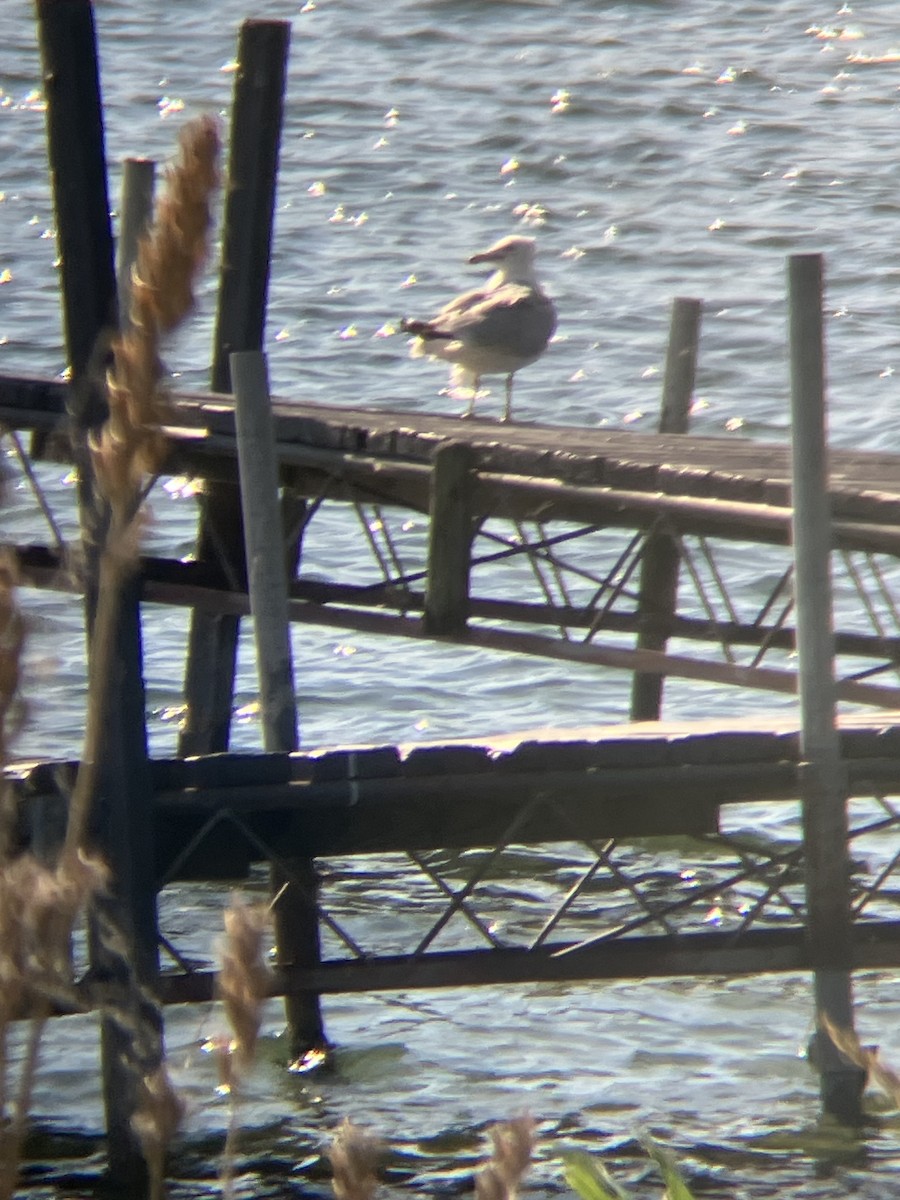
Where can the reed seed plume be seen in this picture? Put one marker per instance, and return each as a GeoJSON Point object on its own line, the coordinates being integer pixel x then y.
{"type": "Point", "coordinates": [355, 1156]}
{"type": "Point", "coordinates": [513, 1145]}
{"type": "Point", "coordinates": [244, 977]}
{"type": "Point", "coordinates": [39, 905]}
{"type": "Point", "coordinates": [865, 1057]}
{"type": "Point", "coordinates": [132, 441]}
{"type": "Point", "coordinates": [156, 1120]}
{"type": "Point", "coordinates": [12, 643]}
{"type": "Point", "coordinates": [244, 981]}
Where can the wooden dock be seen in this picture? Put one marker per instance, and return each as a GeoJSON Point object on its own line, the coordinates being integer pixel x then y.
{"type": "Point", "coordinates": [605, 548]}
{"type": "Point", "coordinates": [599, 786]}
{"type": "Point", "coordinates": [390, 453]}
{"type": "Point", "coordinates": [554, 487]}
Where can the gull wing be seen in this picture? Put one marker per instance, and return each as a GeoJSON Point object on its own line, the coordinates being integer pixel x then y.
{"type": "Point", "coordinates": [518, 319]}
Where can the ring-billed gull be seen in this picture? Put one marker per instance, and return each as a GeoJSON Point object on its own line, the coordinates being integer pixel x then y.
{"type": "Point", "coordinates": [495, 329]}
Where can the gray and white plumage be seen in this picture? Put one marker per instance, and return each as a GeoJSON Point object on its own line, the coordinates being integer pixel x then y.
{"type": "Point", "coordinates": [493, 330]}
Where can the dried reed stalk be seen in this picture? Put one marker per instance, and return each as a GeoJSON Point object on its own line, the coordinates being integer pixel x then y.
{"type": "Point", "coordinates": [244, 977]}
{"type": "Point", "coordinates": [131, 443]}
{"type": "Point", "coordinates": [159, 1114]}
{"type": "Point", "coordinates": [355, 1157]}
{"type": "Point", "coordinates": [513, 1145]}
{"type": "Point", "coordinates": [12, 642]}
{"type": "Point", "coordinates": [865, 1057]}
{"type": "Point", "coordinates": [39, 905]}
{"type": "Point", "coordinates": [243, 988]}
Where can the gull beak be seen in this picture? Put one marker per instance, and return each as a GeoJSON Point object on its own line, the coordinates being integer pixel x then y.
{"type": "Point", "coordinates": [487, 256]}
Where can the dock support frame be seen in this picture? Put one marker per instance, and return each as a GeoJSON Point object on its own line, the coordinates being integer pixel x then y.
{"type": "Point", "coordinates": [450, 534]}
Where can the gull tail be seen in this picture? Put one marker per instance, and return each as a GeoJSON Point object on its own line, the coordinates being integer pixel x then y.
{"type": "Point", "coordinates": [424, 329]}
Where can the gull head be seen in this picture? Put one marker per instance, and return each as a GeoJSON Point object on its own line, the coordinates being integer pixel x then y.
{"type": "Point", "coordinates": [513, 257]}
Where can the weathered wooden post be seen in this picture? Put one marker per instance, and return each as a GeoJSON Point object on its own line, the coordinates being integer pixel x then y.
{"type": "Point", "coordinates": [135, 217]}
{"type": "Point", "coordinates": [295, 906]}
{"type": "Point", "coordinates": [658, 588]}
{"type": "Point", "coordinates": [450, 533]}
{"type": "Point", "coordinates": [823, 777]}
{"type": "Point", "coordinates": [123, 935]}
{"type": "Point", "coordinates": [243, 288]}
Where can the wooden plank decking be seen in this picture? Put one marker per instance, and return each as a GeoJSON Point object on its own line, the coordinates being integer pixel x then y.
{"type": "Point", "coordinates": [218, 814]}
{"type": "Point", "coordinates": [624, 781]}
{"type": "Point", "coordinates": [865, 485]}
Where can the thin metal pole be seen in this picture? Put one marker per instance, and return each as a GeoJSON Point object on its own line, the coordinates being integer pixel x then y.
{"type": "Point", "coordinates": [295, 889]}
{"type": "Point", "coordinates": [258, 466]}
{"type": "Point", "coordinates": [823, 775]}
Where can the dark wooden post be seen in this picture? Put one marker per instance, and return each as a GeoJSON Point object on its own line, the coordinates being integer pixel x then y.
{"type": "Point", "coordinates": [243, 289]}
{"type": "Point", "coordinates": [823, 776]}
{"type": "Point", "coordinates": [135, 217]}
{"type": "Point", "coordinates": [123, 925]}
{"type": "Point", "coordinates": [450, 535]}
{"type": "Point", "coordinates": [658, 588]}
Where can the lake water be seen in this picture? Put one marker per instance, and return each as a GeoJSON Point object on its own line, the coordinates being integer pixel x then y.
{"type": "Point", "coordinates": [655, 149]}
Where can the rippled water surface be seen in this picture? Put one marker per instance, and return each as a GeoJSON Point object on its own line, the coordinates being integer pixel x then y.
{"type": "Point", "coordinates": [655, 149]}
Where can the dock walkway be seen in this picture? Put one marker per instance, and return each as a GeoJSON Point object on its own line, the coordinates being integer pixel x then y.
{"type": "Point", "coordinates": [555, 527]}
{"type": "Point", "coordinates": [382, 447]}
{"type": "Point", "coordinates": [581, 791]}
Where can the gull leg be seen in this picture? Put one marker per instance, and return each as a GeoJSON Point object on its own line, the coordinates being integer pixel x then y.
{"type": "Point", "coordinates": [507, 411]}
{"type": "Point", "coordinates": [476, 384]}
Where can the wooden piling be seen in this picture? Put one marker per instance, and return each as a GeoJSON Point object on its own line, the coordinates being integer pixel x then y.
{"type": "Point", "coordinates": [135, 217]}
{"type": "Point", "coordinates": [294, 889]}
{"type": "Point", "coordinates": [123, 930]}
{"type": "Point", "coordinates": [450, 535]}
{"type": "Point", "coordinates": [243, 288]}
{"type": "Point", "coordinates": [823, 775]}
{"type": "Point", "coordinates": [658, 588]}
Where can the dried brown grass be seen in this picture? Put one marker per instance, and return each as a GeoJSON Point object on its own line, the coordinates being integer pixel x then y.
{"type": "Point", "coordinates": [157, 1119]}
{"type": "Point", "coordinates": [513, 1145]}
{"type": "Point", "coordinates": [244, 978]}
{"type": "Point", "coordinates": [132, 443]}
{"type": "Point", "coordinates": [243, 988]}
{"type": "Point", "coordinates": [355, 1156]}
{"type": "Point", "coordinates": [867, 1058]}
{"type": "Point", "coordinates": [40, 903]}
